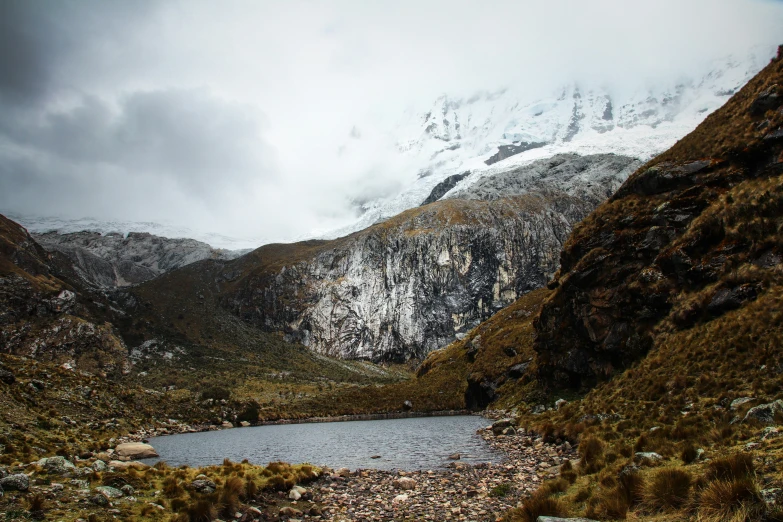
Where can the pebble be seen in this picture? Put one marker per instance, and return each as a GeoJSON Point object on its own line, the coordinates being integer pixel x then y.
{"type": "Point", "coordinates": [459, 493]}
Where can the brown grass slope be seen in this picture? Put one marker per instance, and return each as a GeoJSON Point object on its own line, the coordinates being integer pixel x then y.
{"type": "Point", "coordinates": [692, 235]}
{"type": "Point", "coordinates": [668, 304]}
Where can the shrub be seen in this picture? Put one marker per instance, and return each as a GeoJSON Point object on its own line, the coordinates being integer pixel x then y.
{"type": "Point", "coordinates": [730, 500]}
{"type": "Point", "coordinates": [251, 490]}
{"type": "Point", "coordinates": [738, 466]}
{"type": "Point", "coordinates": [668, 489]}
{"type": "Point", "coordinates": [216, 393]}
{"type": "Point", "coordinates": [689, 453]}
{"type": "Point", "coordinates": [591, 451]}
{"type": "Point", "coordinates": [172, 487]}
{"type": "Point", "coordinates": [554, 486]}
{"type": "Point", "coordinates": [501, 490]}
{"type": "Point", "coordinates": [250, 413]}
{"type": "Point", "coordinates": [630, 486]}
{"type": "Point", "coordinates": [36, 505]}
{"type": "Point", "coordinates": [201, 511]}
{"type": "Point", "coordinates": [538, 506]}
{"type": "Point", "coordinates": [229, 496]}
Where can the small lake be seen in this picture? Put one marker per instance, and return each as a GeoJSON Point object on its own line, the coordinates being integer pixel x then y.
{"type": "Point", "coordinates": [405, 444]}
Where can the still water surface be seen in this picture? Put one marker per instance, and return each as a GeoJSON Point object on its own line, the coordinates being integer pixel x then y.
{"type": "Point", "coordinates": [406, 444]}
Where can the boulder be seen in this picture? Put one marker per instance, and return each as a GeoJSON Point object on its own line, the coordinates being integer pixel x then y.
{"type": "Point", "coordinates": [127, 490]}
{"type": "Point", "coordinates": [499, 425]}
{"type": "Point", "coordinates": [765, 413]}
{"type": "Point", "coordinates": [7, 377]}
{"type": "Point", "coordinates": [203, 485]}
{"type": "Point", "coordinates": [294, 495]}
{"type": "Point", "coordinates": [770, 432]}
{"type": "Point", "coordinates": [17, 482]}
{"type": "Point", "coordinates": [57, 465]}
{"type": "Point", "coordinates": [288, 511]}
{"type": "Point", "coordinates": [136, 450]}
{"type": "Point", "coordinates": [109, 492]}
{"type": "Point", "coordinates": [736, 403]}
{"type": "Point", "coordinates": [99, 500]}
{"type": "Point", "coordinates": [226, 425]}
{"type": "Point", "coordinates": [768, 99]}
{"type": "Point", "coordinates": [559, 403]}
{"type": "Point", "coordinates": [99, 466]}
{"type": "Point", "coordinates": [404, 483]}
{"type": "Point", "coordinates": [642, 456]}
{"type": "Point", "coordinates": [244, 424]}
{"type": "Point", "coordinates": [118, 464]}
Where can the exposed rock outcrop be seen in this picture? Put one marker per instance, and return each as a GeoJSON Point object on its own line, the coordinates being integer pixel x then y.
{"type": "Point", "coordinates": [444, 186]}
{"type": "Point", "coordinates": [408, 286]}
{"type": "Point", "coordinates": [41, 314]}
{"type": "Point", "coordinates": [405, 287]}
{"type": "Point", "coordinates": [690, 237]}
{"type": "Point", "coordinates": [113, 260]}
{"type": "Point", "coordinates": [590, 178]}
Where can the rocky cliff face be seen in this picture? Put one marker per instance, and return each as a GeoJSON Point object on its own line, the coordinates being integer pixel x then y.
{"type": "Point", "coordinates": [590, 178]}
{"type": "Point", "coordinates": [692, 236]}
{"type": "Point", "coordinates": [113, 260]}
{"type": "Point", "coordinates": [42, 313]}
{"type": "Point", "coordinates": [418, 281]}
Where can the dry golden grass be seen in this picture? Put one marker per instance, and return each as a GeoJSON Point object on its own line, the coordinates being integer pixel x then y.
{"type": "Point", "coordinates": [667, 489]}
{"type": "Point", "coordinates": [536, 506]}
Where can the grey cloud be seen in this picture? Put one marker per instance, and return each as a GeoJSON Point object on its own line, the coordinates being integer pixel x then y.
{"type": "Point", "coordinates": [228, 112]}
{"type": "Point", "coordinates": [185, 135]}
{"type": "Point", "coordinates": [43, 43]}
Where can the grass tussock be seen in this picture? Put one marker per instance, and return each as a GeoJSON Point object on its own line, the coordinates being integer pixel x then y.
{"type": "Point", "coordinates": [736, 467]}
{"type": "Point", "coordinates": [668, 489]}
{"type": "Point", "coordinates": [538, 505]}
{"type": "Point", "coordinates": [591, 455]}
{"type": "Point", "coordinates": [733, 500]}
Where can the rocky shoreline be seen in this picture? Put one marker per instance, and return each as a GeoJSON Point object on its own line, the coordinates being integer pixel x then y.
{"type": "Point", "coordinates": [94, 483]}
{"type": "Point", "coordinates": [481, 492]}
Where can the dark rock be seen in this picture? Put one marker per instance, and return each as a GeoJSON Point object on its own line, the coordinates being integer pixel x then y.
{"type": "Point", "coordinates": [18, 482]}
{"type": "Point", "coordinates": [767, 100]}
{"type": "Point", "coordinates": [57, 465]}
{"type": "Point", "coordinates": [204, 486]}
{"type": "Point", "coordinates": [518, 370]}
{"type": "Point", "coordinates": [444, 186]}
{"type": "Point", "coordinates": [407, 405]}
{"type": "Point", "coordinates": [765, 413]}
{"type": "Point", "coordinates": [506, 151]}
{"type": "Point", "coordinates": [727, 299]}
{"type": "Point", "coordinates": [7, 377]}
{"type": "Point", "coordinates": [99, 500]}
{"type": "Point", "coordinates": [480, 393]}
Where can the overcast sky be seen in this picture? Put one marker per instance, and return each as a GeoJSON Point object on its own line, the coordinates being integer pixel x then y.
{"type": "Point", "coordinates": [228, 116]}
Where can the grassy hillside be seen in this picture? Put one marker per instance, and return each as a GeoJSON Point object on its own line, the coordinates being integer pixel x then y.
{"type": "Point", "coordinates": [665, 312]}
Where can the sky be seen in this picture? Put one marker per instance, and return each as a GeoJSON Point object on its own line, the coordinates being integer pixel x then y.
{"type": "Point", "coordinates": [231, 117]}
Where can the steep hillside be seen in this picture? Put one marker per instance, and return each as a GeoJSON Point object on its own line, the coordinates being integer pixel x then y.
{"type": "Point", "coordinates": [667, 307]}
{"type": "Point", "coordinates": [692, 236]}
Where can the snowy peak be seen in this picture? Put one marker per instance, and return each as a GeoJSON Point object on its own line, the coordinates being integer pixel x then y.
{"type": "Point", "coordinates": [495, 131]}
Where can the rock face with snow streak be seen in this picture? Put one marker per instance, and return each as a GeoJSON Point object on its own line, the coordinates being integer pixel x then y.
{"type": "Point", "coordinates": [591, 178]}
{"type": "Point", "coordinates": [405, 287]}
{"type": "Point", "coordinates": [113, 260]}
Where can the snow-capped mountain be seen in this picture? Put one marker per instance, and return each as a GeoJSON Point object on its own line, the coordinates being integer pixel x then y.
{"type": "Point", "coordinates": [492, 132]}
